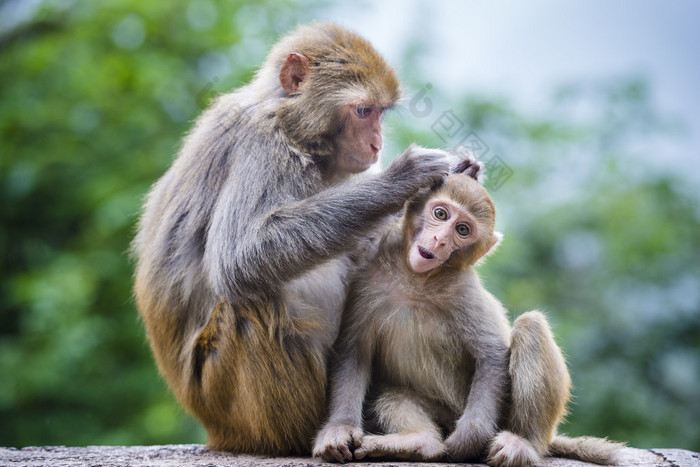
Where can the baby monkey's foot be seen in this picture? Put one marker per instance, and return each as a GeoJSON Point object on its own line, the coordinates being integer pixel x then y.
{"type": "Point", "coordinates": [407, 446]}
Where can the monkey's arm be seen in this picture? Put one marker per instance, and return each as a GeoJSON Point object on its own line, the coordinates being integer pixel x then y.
{"type": "Point", "coordinates": [349, 380]}
{"type": "Point", "coordinates": [487, 342]}
{"type": "Point", "coordinates": [282, 243]}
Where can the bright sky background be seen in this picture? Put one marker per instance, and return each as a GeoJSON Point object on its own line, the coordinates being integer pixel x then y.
{"type": "Point", "coordinates": [523, 49]}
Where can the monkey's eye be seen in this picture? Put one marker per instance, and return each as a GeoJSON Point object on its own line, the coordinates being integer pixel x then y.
{"type": "Point", "coordinates": [462, 230]}
{"type": "Point", "coordinates": [440, 214]}
{"type": "Point", "coordinates": [363, 111]}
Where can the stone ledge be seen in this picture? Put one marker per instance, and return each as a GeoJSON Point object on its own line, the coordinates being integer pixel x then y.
{"type": "Point", "coordinates": [201, 456]}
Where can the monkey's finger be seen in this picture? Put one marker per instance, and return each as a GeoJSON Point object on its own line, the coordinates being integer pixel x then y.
{"type": "Point", "coordinates": [356, 434]}
{"type": "Point", "coordinates": [360, 453]}
{"type": "Point", "coordinates": [344, 450]}
{"type": "Point", "coordinates": [331, 454]}
{"type": "Point", "coordinates": [376, 451]}
{"type": "Point", "coordinates": [438, 159]}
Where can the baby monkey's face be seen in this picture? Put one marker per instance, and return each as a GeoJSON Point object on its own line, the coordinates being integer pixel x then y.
{"type": "Point", "coordinates": [446, 227]}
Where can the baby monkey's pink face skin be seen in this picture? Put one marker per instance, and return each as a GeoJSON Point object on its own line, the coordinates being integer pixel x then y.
{"type": "Point", "coordinates": [447, 227]}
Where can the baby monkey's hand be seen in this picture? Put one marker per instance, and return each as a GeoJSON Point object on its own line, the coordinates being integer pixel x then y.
{"type": "Point", "coordinates": [333, 442]}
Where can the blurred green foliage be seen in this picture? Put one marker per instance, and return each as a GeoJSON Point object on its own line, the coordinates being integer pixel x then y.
{"type": "Point", "coordinates": [95, 98]}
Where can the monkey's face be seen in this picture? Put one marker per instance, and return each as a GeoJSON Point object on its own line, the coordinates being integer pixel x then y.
{"type": "Point", "coordinates": [446, 227]}
{"type": "Point", "coordinates": [360, 138]}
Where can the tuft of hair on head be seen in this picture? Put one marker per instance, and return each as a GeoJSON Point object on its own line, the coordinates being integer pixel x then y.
{"type": "Point", "coordinates": [464, 161]}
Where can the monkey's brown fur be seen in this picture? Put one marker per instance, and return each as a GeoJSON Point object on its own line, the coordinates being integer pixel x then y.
{"type": "Point", "coordinates": [242, 245]}
{"type": "Point", "coordinates": [435, 356]}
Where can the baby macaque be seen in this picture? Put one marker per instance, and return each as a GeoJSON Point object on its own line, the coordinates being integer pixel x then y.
{"type": "Point", "coordinates": [426, 351]}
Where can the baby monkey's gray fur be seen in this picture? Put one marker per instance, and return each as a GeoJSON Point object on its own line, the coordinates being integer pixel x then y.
{"type": "Point", "coordinates": [424, 356]}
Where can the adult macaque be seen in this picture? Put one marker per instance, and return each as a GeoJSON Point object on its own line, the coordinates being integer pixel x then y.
{"type": "Point", "coordinates": [242, 245]}
{"type": "Point", "coordinates": [425, 351]}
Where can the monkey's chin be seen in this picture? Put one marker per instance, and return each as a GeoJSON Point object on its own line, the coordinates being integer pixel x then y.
{"type": "Point", "coordinates": [361, 166]}
{"type": "Point", "coordinates": [352, 163]}
{"type": "Point", "coordinates": [419, 263]}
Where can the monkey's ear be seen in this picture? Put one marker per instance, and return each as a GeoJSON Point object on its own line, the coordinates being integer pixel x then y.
{"type": "Point", "coordinates": [293, 72]}
{"type": "Point", "coordinates": [493, 242]}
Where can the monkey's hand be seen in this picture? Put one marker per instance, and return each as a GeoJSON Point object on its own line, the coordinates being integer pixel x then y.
{"type": "Point", "coordinates": [334, 442]}
{"type": "Point", "coordinates": [418, 168]}
{"type": "Point", "coordinates": [469, 441]}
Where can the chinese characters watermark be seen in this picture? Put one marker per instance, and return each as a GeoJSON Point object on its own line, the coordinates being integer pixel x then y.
{"type": "Point", "coordinates": [454, 133]}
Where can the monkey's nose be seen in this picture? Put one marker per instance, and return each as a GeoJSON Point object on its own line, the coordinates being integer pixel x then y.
{"type": "Point", "coordinates": [440, 241]}
{"type": "Point", "coordinates": [376, 143]}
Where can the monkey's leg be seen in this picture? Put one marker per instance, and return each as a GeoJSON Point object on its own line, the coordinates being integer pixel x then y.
{"type": "Point", "coordinates": [540, 385]}
{"type": "Point", "coordinates": [411, 432]}
{"type": "Point", "coordinates": [245, 383]}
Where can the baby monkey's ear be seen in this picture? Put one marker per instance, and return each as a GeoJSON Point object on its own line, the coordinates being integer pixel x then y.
{"type": "Point", "coordinates": [492, 244]}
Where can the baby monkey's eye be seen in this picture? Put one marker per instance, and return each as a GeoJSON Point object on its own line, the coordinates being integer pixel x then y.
{"type": "Point", "coordinates": [440, 214]}
{"type": "Point", "coordinates": [463, 230]}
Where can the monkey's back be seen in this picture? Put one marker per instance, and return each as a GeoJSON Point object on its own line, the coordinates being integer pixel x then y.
{"type": "Point", "coordinates": [249, 401]}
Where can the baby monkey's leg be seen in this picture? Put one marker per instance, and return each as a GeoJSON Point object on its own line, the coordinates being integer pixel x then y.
{"type": "Point", "coordinates": [411, 432]}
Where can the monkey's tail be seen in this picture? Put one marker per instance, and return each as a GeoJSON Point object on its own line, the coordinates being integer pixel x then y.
{"type": "Point", "coordinates": [587, 449]}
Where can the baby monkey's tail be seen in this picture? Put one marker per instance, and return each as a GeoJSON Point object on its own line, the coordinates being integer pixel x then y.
{"type": "Point", "coordinates": [587, 449]}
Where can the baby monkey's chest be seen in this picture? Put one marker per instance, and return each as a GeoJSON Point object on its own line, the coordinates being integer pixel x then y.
{"type": "Point", "coordinates": [424, 351]}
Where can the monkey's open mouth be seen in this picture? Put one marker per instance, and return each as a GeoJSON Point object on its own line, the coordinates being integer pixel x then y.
{"type": "Point", "coordinates": [425, 253]}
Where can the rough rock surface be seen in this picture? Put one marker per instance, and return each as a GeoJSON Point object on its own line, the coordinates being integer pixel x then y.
{"type": "Point", "coordinates": [198, 455]}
